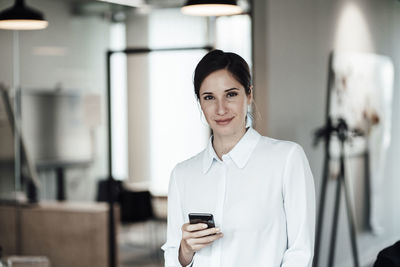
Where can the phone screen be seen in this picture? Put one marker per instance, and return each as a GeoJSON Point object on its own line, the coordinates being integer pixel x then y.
{"type": "Point", "coordinates": [206, 218]}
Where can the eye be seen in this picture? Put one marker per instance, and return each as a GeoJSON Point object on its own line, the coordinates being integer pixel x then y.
{"type": "Point", "coordinates": [231, 94]}
{"type": "Point", "coordinates": [208, 97]}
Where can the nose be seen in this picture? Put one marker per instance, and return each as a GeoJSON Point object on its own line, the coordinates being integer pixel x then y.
{"type": "Point", "coordinates": [221, 108]}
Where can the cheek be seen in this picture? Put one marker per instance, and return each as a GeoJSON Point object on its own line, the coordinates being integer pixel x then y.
{"type": "Point", "coordinates": [241, 108]}
{"type": "Point", "coordinates": [206, 109]}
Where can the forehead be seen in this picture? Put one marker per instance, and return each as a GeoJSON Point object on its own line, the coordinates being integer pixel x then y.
{"type": "Point", "coordinates": [219, 80]}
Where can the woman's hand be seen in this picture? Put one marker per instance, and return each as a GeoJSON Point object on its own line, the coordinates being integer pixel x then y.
{"type": "Point", "coordinates": [194, 238]}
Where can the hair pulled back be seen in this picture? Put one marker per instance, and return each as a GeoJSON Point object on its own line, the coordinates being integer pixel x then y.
{"type": "Point", "coordinates": [218, 60]}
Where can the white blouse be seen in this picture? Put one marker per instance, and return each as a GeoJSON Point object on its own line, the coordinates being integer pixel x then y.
{"type": "Point", "coordinates": [262, 197]}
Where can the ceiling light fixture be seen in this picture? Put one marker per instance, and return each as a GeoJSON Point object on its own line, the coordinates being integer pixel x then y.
{"type": "Point", "coordinates": [22, 17]}
{"type": "Point", "coordinates": [211, 8]}
{"type": "Point", "coordinates": [131, 3]}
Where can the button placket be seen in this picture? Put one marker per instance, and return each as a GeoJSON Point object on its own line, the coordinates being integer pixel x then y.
{"type": "Point", "coordinates": [216, 259]}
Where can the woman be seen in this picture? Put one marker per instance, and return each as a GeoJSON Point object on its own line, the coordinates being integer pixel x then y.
{"type": "Point", "coordinates": [260, 190]}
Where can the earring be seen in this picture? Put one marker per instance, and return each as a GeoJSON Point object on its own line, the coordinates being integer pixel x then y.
{"type": "Point", "coordinates": [249, 119]}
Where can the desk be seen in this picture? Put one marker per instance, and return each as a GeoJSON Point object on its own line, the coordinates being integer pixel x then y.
{"type": "Point", "coordinates": [68, 233]}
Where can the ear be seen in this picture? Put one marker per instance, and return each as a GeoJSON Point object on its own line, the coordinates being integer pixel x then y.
{"type": "Point", "coordinates": [250, 96]}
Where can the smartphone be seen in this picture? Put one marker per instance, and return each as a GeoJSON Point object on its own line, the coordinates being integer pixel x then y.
{"type": "Point", "coordinates": [206, 218]}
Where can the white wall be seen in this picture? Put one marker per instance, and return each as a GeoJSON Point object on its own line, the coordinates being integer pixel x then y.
{"type": "Point", "coordinates": [291, 76]}
{"type": "Point", "coordinates": [70, 53]}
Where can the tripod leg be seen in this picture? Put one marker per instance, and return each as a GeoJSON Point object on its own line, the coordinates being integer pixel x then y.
{"type": "Point", "coordinates": [335, 222]}
{"type": "Point", "coordinates": [351, 225]}
{"type": "Point", "coordinates": [325, 178]}
{"type": "Point", "coordinates": [367, 216]}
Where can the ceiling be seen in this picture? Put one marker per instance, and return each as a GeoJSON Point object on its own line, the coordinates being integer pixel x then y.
{"type": "Point", "coordinates": [118, 12]}
{"type": "Point", "coordinates": [105, 9]}
{"type": "Point", "coordinates": [151, 3]}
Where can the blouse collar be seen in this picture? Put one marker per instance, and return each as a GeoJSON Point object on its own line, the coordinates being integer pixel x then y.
{"type": "Point", "coordinates": [240, 153]}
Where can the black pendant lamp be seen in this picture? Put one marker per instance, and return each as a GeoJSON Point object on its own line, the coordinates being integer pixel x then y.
{"type": "Point", "coordinates": [22, 17]}
{"type": "Point", "coordinates": [211, 8]}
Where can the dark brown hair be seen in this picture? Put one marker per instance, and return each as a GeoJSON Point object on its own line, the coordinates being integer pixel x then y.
{"type": "Point", "coordinates": [217, 60]}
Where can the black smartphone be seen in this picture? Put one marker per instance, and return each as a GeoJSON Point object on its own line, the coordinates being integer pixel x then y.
{"type": "Point", "coordinates": [206, 218]}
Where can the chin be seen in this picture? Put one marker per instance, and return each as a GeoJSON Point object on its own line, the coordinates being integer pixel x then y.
{"type": "Point", "coordinates": [225, 130]}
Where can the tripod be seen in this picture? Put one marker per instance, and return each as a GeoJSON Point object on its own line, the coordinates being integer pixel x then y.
{"type": "Point", "coordinates": [343, 133]}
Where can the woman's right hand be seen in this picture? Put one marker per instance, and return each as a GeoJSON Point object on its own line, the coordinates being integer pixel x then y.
{"type": "Point", "coordinates": [194, 238]}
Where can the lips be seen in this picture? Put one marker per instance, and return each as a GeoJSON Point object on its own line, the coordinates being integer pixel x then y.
{"type": "Point", "coordinates": [224, 121]}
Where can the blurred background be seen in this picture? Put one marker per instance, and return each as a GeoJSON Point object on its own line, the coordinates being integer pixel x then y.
{"type": "Point", "coordinates": [104, 93]}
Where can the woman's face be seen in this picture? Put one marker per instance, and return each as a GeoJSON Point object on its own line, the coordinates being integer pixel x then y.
{"type": "Point", "coordinates": [224, 103]}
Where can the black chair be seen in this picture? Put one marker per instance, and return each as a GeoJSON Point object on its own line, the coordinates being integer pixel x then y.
{"type": "Point", "coordinates": [102, 190]}
{"type": "Point", "coordinates": [389, 257]}
{"type": "Point", "coordinates": [135, 206]}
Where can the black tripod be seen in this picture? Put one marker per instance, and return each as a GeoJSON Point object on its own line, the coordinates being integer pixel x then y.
{"type": "Point", "coordinates": [343, 134]}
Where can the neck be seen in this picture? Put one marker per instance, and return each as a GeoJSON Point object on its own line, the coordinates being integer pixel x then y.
{"type": "Point", "coordinates": [223, 144]}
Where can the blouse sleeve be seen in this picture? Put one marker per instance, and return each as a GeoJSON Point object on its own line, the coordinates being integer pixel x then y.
{"type": "Point", "coordinates": [299, 205]}
{"type": "Point", "coordinates": [175, 222]}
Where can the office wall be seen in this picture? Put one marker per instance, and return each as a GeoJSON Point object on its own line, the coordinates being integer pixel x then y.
{"type": "Point", "coordinates": [293, 41]}
{"type": "Point", "coordinates": [70, 55]}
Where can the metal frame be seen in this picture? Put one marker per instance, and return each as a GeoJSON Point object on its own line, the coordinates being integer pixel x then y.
{"type": "Point", "coordinates": [325, 133]}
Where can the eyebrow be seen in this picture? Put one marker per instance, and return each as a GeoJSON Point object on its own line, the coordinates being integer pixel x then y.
{"type": "Point", "coordinates": [227, 90]}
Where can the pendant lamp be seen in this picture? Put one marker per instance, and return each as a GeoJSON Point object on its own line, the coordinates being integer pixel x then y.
{"type": "Point", "coordinates": [21, 17]}
{"type": "Point", "coordinates": [211, 8]}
